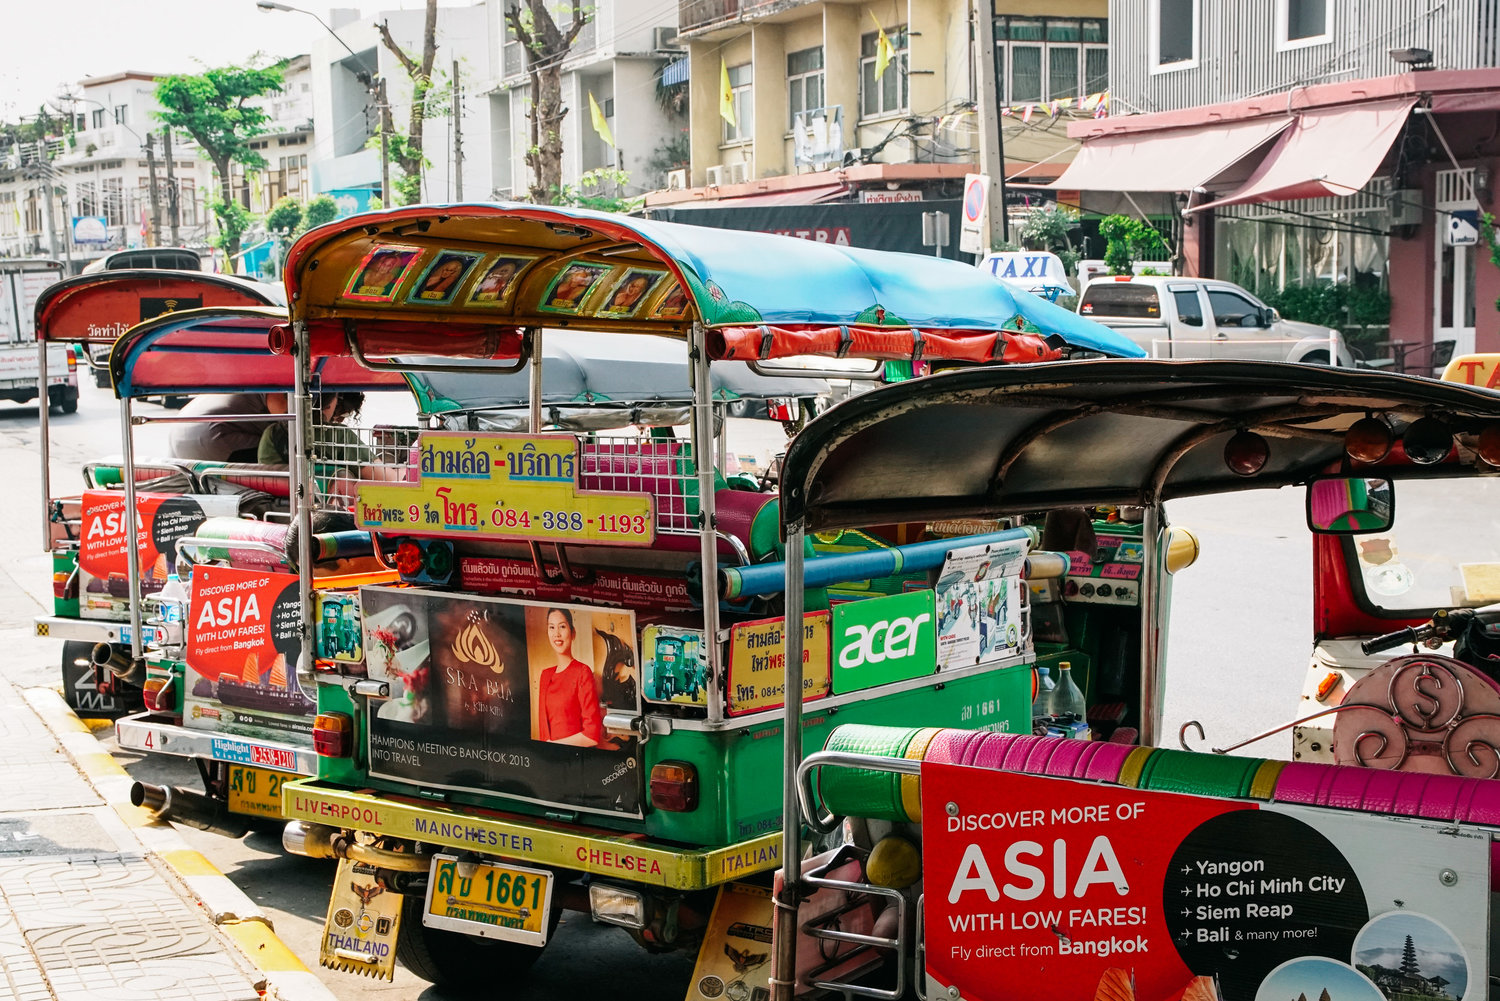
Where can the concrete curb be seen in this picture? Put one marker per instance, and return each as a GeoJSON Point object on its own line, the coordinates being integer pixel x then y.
{"type": "Point", "coordinates": [242, 921]}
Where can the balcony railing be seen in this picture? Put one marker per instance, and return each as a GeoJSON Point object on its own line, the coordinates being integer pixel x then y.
{"type": "Point", "coordinates": [699, 15]}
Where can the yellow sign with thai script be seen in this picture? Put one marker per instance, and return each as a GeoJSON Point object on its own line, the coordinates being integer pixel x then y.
{"type": "Point", "coordinates": [504, 486]}
{"type": "Point", "coordinates": [757, 663]}
{"type": "Point", "coordinates": [1475, 370]}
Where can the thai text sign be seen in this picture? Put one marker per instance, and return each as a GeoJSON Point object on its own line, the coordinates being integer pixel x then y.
{"type": "Point", "coordinates": [1112, 892]}
{"type": "Point", "coordinates": [503, 486]}
{"type": "Point", "coordinates": [757, 663]}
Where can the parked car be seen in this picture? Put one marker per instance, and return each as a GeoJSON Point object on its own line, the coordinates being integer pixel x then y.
{"type": "Point", "coordinates": [1203, 318]}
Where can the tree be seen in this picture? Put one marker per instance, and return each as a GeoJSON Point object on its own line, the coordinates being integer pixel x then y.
{"type": "Point", "coordinates": [285, 216]}
{"type": "Point", "coordinates": [216, 109]}
{"type": "Point", "coordinates": [546, 46]}
{"type": "Point", "coordinates": [1128, 239]}
{"type": "Point", "coordinates": [318, 211]}
{"type": "Point", "coordinates": [406, 149]}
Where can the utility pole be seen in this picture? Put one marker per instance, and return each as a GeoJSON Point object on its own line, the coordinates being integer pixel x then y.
{"type": "Point", "coordinates": [155, 193]}
{"type": "Point", "coordinates": [385, 150]}
{"type": "Point", "coordinates": [174, 210]}
{"type": "Point", "coordinates": [991, 141]}
{"type": "Point", "coordinates": [458, 137]}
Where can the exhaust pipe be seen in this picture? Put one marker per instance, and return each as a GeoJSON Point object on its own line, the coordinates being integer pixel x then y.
{"type": "Point", "coordinates": [184, 806]}
{"type": "Point", "coordinates": [118, 662]}
{"type": "Point", "coordinates": [321, 841]}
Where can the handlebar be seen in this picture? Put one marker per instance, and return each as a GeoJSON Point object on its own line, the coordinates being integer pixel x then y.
{"type": "Point", "coordinates": [1445, 624]}
{"type": "Point", "coordinates": [1385, 642]}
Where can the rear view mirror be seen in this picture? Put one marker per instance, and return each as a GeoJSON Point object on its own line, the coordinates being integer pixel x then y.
{"type": "Point", "coordinates": [1350, 505]}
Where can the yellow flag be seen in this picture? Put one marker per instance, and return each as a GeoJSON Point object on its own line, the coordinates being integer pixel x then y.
{"type": "Point", "coordinates": [600, 125]}
{"type": "Point", "coordinates": [884, 51]}
{"type": "Point", "coordinates": [726, 95]}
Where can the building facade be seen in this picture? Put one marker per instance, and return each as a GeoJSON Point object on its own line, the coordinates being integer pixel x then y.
{"type": "Point", "coordinates": [1294, 143]}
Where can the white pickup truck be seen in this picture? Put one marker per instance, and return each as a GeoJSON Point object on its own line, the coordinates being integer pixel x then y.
{"type": "Point", "coordinates": [1203, 318]}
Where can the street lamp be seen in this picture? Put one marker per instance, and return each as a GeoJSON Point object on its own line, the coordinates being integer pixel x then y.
{"type": "Point", "coordinates": [371, 78]}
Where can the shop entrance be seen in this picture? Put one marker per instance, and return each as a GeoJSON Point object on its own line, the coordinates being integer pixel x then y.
{"type": "Point", "coordinates": [1453, 277]}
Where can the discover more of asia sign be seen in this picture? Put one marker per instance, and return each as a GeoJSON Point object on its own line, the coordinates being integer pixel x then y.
{"type": "Point", "coordinates": [1042, 888]}
{"type": "Point", "coordinates": [504, 486]}
{"type": "Point", "coordinates": [504, 697]}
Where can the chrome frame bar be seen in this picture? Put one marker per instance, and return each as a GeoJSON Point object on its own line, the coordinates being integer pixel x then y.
{"type": "Point", "coordinates": [44, 412]}
{"type": "Point", "coordinates": [708, 545]}
{"type": "Point", "coordinates": [302, 493]}
{"type": "Point", "coordinates": [784, 972]}
{"type": "Point", "coordinates": [132, 568]}
{"type": "Point", "coordinates": [822, 821]}
{"type": "Point", "coordinates": [216, 419]}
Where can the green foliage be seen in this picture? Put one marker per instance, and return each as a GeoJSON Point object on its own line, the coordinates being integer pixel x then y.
{"type": "Point", "coordinates": [320, 210]}
{"type": "Point", "coordinates": [214, 107]}
{"type": "Point", "coordinates": [407, 187]}
{"type": "Point", "coordinates": [1128, 240]}
{"type": "Point", "coordinates": [670, 154]}
{"type": "Point", "coordinates": [1048, 229]}
{"type": "Point", "coordinates": [234, 219]}
{"type": "Point", "coordinates": [589, 192]}
{"type": "Point", "coordinates": [1336, 304]}
{"type": "Point", "coordinates": [285, 216]}
{"type": "Point", "coordinates": [1487, 234]}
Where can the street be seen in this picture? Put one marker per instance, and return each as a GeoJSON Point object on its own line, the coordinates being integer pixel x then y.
{"type": "Point", "coordinates": [1248, 591]}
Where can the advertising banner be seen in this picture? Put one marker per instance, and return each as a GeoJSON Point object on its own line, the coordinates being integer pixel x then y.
{"type": "Point", "coordinates": [979, 604]}
{"type": "Point", "coordinates": [1039, 888]}
{"type": "Point", "coordinates": [673, 667]}
{"type": "Point", "coordinates": [757, 663]}
{"type": "Point", "coordinates": [104, 555]}
{"type": "Point", "coordinates": [504, 486]}
{"type": "Point", "coordinates": [881, 640]}
{"type": "Point", "coordinates": [243, 642]}
{"type": "Point", "coordinates": [497, 695]}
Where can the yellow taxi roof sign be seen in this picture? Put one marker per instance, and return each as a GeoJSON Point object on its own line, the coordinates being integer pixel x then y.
{"type": "Point", "coordinates": [1481, 370]}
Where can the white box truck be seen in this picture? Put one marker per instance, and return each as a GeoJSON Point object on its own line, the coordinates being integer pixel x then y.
{"type": "Point", "coordinates": [21, 281]}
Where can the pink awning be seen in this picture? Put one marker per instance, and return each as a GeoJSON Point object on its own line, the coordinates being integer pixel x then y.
{"type": "Point", "coordinates": [811, 195]}
{"type": "Point", "coordinates": [1171, 160]}
{"type": "Point", "coordinates": [1330, 151]}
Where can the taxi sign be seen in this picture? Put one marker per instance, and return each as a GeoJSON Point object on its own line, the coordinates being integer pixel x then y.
{"type": "Point", "coordinates": [1482, 370]}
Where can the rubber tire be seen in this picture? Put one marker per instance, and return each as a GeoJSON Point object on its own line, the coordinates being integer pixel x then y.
{"type": "Point", "coordinates": [1314, 358]}
{"type": "Point", "coordinates": [174, 402]}
{"type": "Point", "coordinates": [68, 404]}
{"type": "Point", "coordinates": [101, 378]}
{"type": "Point", "coordinates": [461, 962]}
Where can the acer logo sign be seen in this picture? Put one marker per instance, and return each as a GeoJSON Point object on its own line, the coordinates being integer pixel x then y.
{"type": "Point", "coordinates": [885, 639]}
{"type": "Point", "coordinates": [882, 641]}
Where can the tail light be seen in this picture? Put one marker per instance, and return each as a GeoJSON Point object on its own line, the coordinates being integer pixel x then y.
{"type": "Point", "coordinates": [674, 786]}
{"type": "Point", "coordinates": [72, 358]}
{"type": "Point", "coordinates": [156, 693]}
{"type": "Point", "coordinates": [408, 559]}
{"type": "Point", "coordinates": [333, 735]}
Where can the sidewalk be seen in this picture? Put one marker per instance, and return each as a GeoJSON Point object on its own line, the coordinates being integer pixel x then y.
{"type": "Point", "coordinates": [100, 902]}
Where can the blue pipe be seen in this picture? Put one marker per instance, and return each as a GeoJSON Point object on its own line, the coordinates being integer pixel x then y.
{"type": "Point", "coordinates": [822, 571]}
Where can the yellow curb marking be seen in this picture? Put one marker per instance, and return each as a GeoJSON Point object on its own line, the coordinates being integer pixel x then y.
{"type": "Point", "coordinates": [258, 942]}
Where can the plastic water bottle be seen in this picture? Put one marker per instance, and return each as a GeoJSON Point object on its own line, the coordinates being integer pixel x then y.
{"type": "Point", "coordinates": [173, 600]}
{"type": "Point", "coordinates": [1066, 698]}
{"type": "Point", "coordinates": [1044, 687]}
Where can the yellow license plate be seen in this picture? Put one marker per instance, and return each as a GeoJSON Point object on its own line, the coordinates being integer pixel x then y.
{"type": "Point", "coordinates": [255, 791]}
{"type": "Point", "coordinates": [495, 901]}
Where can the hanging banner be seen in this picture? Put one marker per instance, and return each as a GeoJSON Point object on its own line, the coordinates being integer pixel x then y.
{"type": "Point", "coordinates": [494, 695]}
{"type": "Point", "coordinates": [243, 641]}
{"type": "Point", "coordinates": [1039, 888]}
{"type": "Point", "coordinates": [979, 604]}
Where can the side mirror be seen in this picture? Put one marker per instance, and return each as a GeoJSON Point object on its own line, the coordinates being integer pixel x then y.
{"type": "Point", "coordinates": [1350, 505]}
{"type": "Point", "coordinates": [1269, 317]}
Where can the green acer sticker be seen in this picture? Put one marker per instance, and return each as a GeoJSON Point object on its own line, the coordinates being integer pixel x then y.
{"type": "Point", "coordinates": [880, 640]}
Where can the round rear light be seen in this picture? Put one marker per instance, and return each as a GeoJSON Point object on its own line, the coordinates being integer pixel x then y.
{"type": "Point", "coordinates": [1368, 439]}
{"type": "Point", "coordinates": [408, 559]}
{"type": "Point", "coordinates": [1427, 441]}
{"type": "Point", "coordinates": [1246, 453]}
{"type": "Point", "coordinates": [1488, 445]}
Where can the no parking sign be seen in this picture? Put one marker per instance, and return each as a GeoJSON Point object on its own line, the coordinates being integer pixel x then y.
{"type": "Point", "coordinates": [974, 235]}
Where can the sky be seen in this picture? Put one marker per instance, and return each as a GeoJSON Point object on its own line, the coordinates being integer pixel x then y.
{"type": "Point", "coordinates": [44, 45]}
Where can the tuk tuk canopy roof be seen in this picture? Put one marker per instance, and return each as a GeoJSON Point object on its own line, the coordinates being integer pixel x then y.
{"type": "Point", "coordinates": [494, 266]}
{"type": "Point", "coordinates": [995, 440]}
{"type": "Point", "coordinates": [97, 307]}
{"type": "Point", "coordinates": [223, 350]}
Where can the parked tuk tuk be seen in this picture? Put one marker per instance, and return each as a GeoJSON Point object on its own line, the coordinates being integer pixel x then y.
{"type": "Point", "coordinates": [1022, 864]}
{"type": "Point", "coordinates": [573, 700]}
{"type": "Point", "coordinates": [90, 312]}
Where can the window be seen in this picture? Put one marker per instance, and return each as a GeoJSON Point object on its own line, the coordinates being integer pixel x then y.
{"type": "Point", "coordinates": [1233, 310]}
{"type": "Point", "coordinates": [743, 100]}
{"type": "Point", "coordinates": [114, 202]}
{"type": "Point", "coordinates": [1125, 299]}
{"type": "Point", "coordinates": [891, 93]}
{"type": "Point", "coordinates": [804, 82]}
{"type": "Point", "coordinates": [122, 114]}
{"type": "Point", "coordinates": [84, 200]}
{"type": "Point", "coordinates": [1174, 34]}
{"type": "Point", "coordinates": [187, 202]}
{"type": "Point", "coordinates": [1189, 309]}
{"type": "Point", "coordinates": [1303, 22]}
{"type": "Point", "coordinates": [1039, 60]}
{"type": "Point", "coordinates": [97, 118]}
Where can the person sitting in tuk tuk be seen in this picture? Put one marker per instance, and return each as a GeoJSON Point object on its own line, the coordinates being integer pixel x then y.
{"type": "Point", "coordinates": [226, 441]}
{"type": "Point", "coordinates": [335, 410]}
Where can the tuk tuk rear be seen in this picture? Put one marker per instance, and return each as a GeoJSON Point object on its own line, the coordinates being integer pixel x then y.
{"type": "Point", "coordinates": [1025, 865]}
{"type": "Point", "coordinates": [574, 699]}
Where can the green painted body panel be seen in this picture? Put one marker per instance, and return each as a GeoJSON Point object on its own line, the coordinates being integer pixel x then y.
{"type": "Point", "coordinates": [739, 767]}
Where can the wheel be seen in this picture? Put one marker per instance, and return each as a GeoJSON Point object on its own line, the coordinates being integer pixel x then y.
{"type": "Point", "coordinates": [462, 962]}
{"type": "Point", "coordinates": [101, 378]}
{"type": "Point", "coordinates": [174, 402]}
{"type": "Point", "coordinates": [67, 401]}
{"type": "Point", "coordinates": [81, 688]}
{"type": "Point", "coordinates": [1315, 358]}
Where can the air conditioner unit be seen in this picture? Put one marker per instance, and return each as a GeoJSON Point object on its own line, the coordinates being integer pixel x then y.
{"type": "Point", "coordinates": [715, 175]}
{"type": "Point", "coordinates": [665, 39]}
{"type": "Point", "coordinates": [739, 173]}
{"type": "Point", "coordinates": [1405, 207]}
{"type": "Point", "coordinates": [676, 179]}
